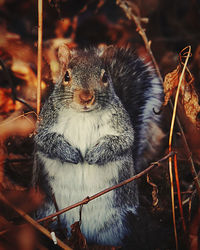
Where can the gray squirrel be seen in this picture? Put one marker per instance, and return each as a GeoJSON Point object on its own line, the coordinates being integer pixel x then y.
{"type": "Point", "coordinates": [96, 129]}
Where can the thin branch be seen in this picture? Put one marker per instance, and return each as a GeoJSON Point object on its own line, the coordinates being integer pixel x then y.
{"type": "Point", "coordinates": [33, 222]}
{"type": "Point", "coordinates": [25, 103]}
{"type": "Point", "coordinates": [88, 199]}
{"type": "Point", "coordinates": [127, 8]}
{"type": "Point", "coordinates": [4, 231]}
{"type": "Point", "coordinates": [39, 59]}
{"type": "Point", "coordinates": [3, 123]}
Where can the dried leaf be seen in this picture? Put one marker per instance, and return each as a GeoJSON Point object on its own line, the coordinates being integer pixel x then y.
{"type": "Point", "coordinates": [170, 84]}
{"type": "Point", "coordinates": [188, 96]}
{"type": "Point", "coordinates": [190, 102]}
{"type": "Point", "coordinates": [154, 191]}
{"type": "Point", "coordinates": [77, 239]}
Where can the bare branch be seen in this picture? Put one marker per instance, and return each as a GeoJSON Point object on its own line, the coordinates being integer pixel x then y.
{"type": "Point", "coordinates": [88, 199]}
{"type": "Point", "coordinates": [128, 9]}
{"type": "Point", "coordinates": [31, 221]}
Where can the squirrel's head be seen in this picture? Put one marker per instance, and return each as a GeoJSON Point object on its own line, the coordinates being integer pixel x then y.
{"type": "Point", "coordinates": [84, 84]}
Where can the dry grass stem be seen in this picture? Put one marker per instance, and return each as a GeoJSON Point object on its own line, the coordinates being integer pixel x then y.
{"type": "Point", "coordinates": [179, 194]}
{"type": "Point", "coordinates": [170, 141]}
{"type": "Point", "coordinates": [172, 199]}
{"type": "Point", "coordinates": [39, 59]}
{"type": "Point", "coordinates": [3, 123]}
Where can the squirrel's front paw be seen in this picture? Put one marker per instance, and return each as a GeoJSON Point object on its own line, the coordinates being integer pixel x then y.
{"type": "Point", "coordinates": [74, 156]}
{"type": "Point", "coordinates": [97, 154]}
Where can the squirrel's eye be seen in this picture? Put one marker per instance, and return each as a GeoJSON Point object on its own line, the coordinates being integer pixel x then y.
{"type": "Point", "coordinates": [105, 77]}
{"type": "Point", "coordinates": [67, 77]}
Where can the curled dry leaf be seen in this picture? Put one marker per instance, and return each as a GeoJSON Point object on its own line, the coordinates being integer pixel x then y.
{"type": "Point", "coordinates": [170, 84]}
{"type": "Point", "coordinates": [154, 192]}
{"type": "Point", "coordinates": [188, 96]}
{"type": "Point", "coordinates": [77, 239]}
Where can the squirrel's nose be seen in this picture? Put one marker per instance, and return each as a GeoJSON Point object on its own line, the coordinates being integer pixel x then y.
{"type": "Point", "coordinates": [86, 97]}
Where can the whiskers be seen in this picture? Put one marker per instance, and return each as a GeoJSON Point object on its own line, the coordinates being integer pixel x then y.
{"type": "Point", "coordinates": [62, 97]}
{"type": "Point", "coordinates": [104, 100]}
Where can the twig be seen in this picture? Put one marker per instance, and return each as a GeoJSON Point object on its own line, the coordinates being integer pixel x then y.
{"type": "Point", "coordinates": [189, 198]}
{"type": "Point", "coordinates": [88, 199]}
{"type": "Point", "coordinates": [10, 81]}
{"type": "Point", "coordinates": [24, 102]}
{"type": "Point", "coordinates": [185, 192]}
{"type": "Point", "coordinates": [3, 123]}
{"type": "Point", "coordinates": [4, 231]}
{"type": "Point", "coordinates": [33, 222]}
{"type": "Point", "coordinates": [39, 59]}
{"type": "Point", "coordinates": [137, 20]}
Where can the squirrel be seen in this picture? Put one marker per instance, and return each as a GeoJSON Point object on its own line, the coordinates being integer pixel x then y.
{"type": "Point", "coordinates": [96, 129]}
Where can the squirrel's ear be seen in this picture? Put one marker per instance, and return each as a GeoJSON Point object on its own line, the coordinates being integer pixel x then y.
{"type": "Point", "coordinates": [64, 55]}
{"type": "Point", "coordinates": [106, 51]}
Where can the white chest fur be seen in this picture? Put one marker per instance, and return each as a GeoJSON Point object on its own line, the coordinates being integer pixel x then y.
{"type": "Point", "coordinates": [82, 130]}
{"type": "Point", "coordinates": [72, 183]}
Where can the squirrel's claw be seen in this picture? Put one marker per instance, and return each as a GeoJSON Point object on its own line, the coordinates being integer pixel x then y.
{"type": "Point", "coordinates": [74, 156]}
{"type": "Point", "coordinates": [97, 155]}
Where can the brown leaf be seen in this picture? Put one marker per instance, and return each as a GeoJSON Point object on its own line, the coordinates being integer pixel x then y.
{"type": "Point", "coordinates": [77, 239]}
{"type": "Point", "coordinates": [170, 84]}
{"type": "Point", "coordinates": [188, 96]}
{"type": "Point", "coordinates": [154, 192]}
